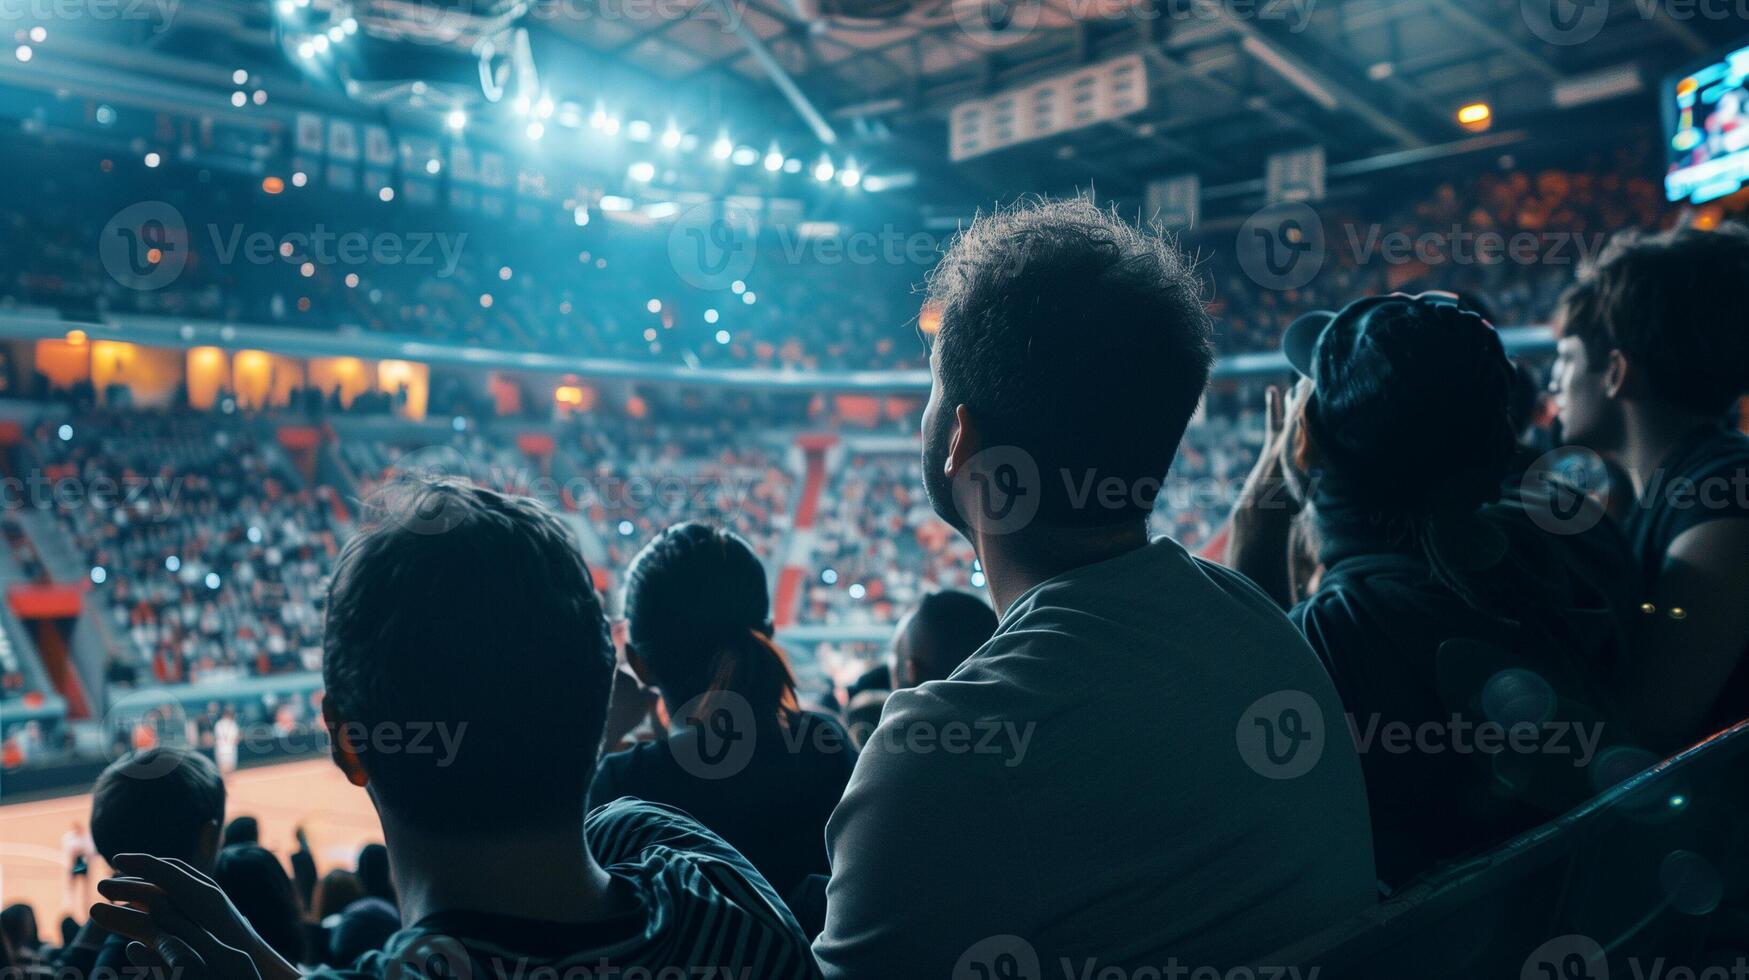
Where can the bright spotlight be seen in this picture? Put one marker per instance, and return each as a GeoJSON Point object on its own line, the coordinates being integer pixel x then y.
{"type": "Point", "coordinates": [671, 137]}
{"type": "Point", "coordinates": [239, 77]}
{"type": "Point", "coordinates": [722, 336]}
{"type": "Point", "coordinates": [711, 315]}
{"type": "Point", "coordinates": [320, 43]}
{"type": "Point", "coordinates": [456, 120]}
{"type": "Point", "coordinates": [643, 171]}
{"type": "Point", "coordinates": [722, 149]}
{"type": "Point", "coordinates": [774, 161]}
{"type": "Point", "coordinates": [306, 50]}
{"type": "Point", "coordinates": [544, 108]}
{"type": "Point", "coordinates": [654, 306]}
{"type": "Point", "coordinates": [638, 131]}
{"type": "Point", "coordinates": [611, 126]}
{"type": "Point", "coordinates": [23, 53]}
{"type": "Point", "coordinates": [536, 130]}
{"type": "Point", "coordinates": [824, 170]}
{"type": "Point", "coordinates": [153, 159]}
{"type": "Point", "coordinates": [850, 176]}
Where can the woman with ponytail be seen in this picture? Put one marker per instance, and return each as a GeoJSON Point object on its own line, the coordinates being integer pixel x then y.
{"type": "Point", "coordinates": [1445, 607]}
{"type": "Point", "coordinates": [739, 754]}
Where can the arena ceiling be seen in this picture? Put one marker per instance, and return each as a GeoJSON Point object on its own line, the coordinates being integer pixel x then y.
{"type": "Point", "coordinates": [1229, 79]}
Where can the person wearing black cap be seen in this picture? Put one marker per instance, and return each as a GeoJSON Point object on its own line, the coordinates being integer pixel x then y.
{"type": "Point", "coordinates": [1652, 358]}
{"type": "Point", "coordinates": [1444, 613]}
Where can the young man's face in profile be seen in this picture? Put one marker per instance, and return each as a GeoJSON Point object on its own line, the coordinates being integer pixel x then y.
{"type": "Point", "coordinates": [938, 422]}
{"type": "Point", "coordinates": [1588, 414]}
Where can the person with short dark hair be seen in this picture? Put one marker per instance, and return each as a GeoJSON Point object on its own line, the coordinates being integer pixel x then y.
{"type": "Point", "coordinates": [241, 830]}
{"type": "Point", "coordinates": [1005, 801]}
{"type": "Point", "coordinates": [698, 620]}
{"type": "Point", "coordinates": [1653, 354]}
{"type": "Point", "coordinates": [373, 872]}
{"type": "Point", "coordinates": [945, 628]}
{"type": "Point", "coordinates": [164, 801]}
{"type": "Point", "coordinates": [259, 887]}
{"type": "Point", "coordinates": [467, 667]}
{"type": "Point", "coordinates": [1440, 606]}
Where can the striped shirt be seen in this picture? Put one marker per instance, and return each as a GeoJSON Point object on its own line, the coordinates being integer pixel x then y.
{"type": "Point", "coordinates": [702, 912]}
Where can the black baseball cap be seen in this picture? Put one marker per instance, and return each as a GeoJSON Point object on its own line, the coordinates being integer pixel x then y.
{"type": "Point", "coordinates": [1406, 383]}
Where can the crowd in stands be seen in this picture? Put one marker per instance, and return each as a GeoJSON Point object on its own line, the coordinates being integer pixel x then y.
{"type": "Point", "coordinates": [211, 552]}
{"type": "Point", "coordinates": [1394, 556]}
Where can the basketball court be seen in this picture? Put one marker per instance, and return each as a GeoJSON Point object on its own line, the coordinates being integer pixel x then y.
{"type": "Point", "coordinates": [336, 816]}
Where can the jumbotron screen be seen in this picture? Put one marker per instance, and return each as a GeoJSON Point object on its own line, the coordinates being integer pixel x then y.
{"type": "Point", "coordinates": [1706, 129]}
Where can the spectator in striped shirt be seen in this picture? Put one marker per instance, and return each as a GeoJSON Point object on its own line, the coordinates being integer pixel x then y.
{"type": "Point", "coordinates": [468, 667]}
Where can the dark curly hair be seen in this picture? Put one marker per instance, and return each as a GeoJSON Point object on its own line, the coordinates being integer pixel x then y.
{"type": "Point", "coordinates": [1078, 338]}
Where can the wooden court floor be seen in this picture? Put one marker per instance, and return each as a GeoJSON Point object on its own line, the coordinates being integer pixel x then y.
{"type": "Point", "coordinates": [336, 816]}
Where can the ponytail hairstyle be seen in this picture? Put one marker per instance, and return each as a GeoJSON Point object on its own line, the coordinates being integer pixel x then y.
{"type": "Point", "coordinates": [698, 613]}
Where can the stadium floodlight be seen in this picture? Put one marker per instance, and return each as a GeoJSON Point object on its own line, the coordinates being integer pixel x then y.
{"type": "Point", "coordinates": [544, 108]}
{"type": "Point", "coordinates": [536, 130]}
{"type": "Point", "coordinates": [238, 77]}
{"type": "Point", "coordinates": [850, 176]}
{"type": "Point", "coordinates": [711, 315]}
{"type": "Point", "coordinates": [774, 161]}
{"type": "Point", "coordinates": [671, 137]}
{"type": "Point", "coordinates": [611, 126]}
{"type": "Point", "coordinates": [643, 171]}
{"type": "Point", "coordinates": [722, 149]}
{"type": "Point", "coordinates": [654, 306]}
{"type": "Point", "coordinates": [306, 50]}
{"type": "Point", "coordinates": [336, 34]}
{"type": "Point", "coordinates": [639, 131]}
{"type": "Point", "coordinates": [456, 120]}
{"type": "Point", "coordinates": [320, 43]}
{"type": "Point", "coordinates": [723, 337]}
{"type": "Point", "coordinates": [824, 170]}
{"type": "Point", "coordinates": [745, 156]}
{"type": "Point", "coordinates": [598, 118]}
{"type": "Point", "coordinates": [792, 166]}
{"type": "Point", "coordinates": [613, 202]}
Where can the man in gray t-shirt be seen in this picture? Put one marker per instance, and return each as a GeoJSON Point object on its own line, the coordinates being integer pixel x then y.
{"type": "Point", "coordinates": [1146, 766]}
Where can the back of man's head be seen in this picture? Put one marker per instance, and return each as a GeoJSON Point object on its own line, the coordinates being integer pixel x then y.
{"type": "Point", "coordinates": [168, 802]}
{"type": "Point", "coordinates": [1670, 303]}
{"type": "Point", "coordinates": [1080, 341]}
{"type": "Point", "coordinates": [946, 628]}
{"type": "Point", "coordinates": [467, 661]}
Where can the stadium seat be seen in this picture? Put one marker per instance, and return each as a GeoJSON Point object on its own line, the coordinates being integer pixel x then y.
{"type": "Point", "coordinates": [1640, 879]}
